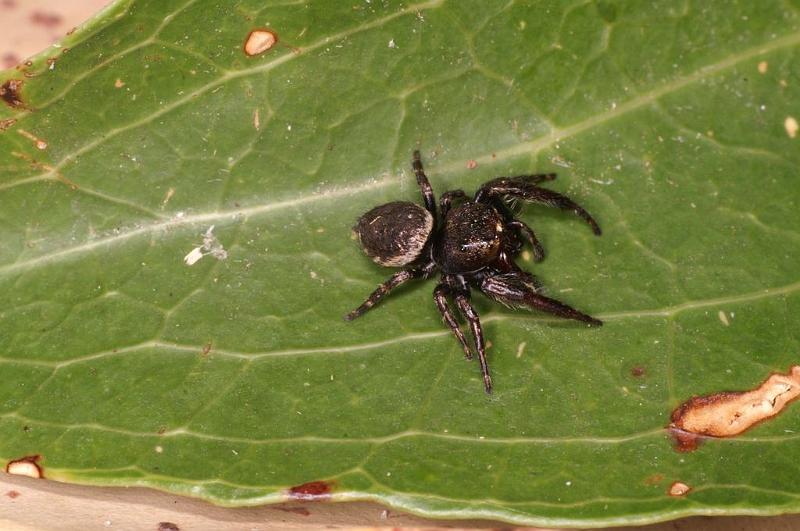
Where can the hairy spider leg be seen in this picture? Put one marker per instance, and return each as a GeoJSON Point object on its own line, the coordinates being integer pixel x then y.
{"type": "Point", "coordinates": [384, 289]}
{"type": "Point", "coordinates": [534, 178]}
{"type": "Point", "coordinates": [512, 290]}
{"type": "Point", "coordinates": [440, 294]}
{"type": "Point", "coordinates": [424, 184]}
{"type": "Point", "coordinates": [469, 313]}
{"type": "Point", "coordinates": [531, 192]}
{"type": "Point", "coordinates": [446, 201]}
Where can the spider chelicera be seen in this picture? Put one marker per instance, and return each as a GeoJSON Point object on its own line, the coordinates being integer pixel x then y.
{"type": "Point", "coordinates": [473, 244]}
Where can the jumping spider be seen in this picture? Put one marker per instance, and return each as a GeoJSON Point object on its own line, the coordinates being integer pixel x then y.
{"type": "Point", "coordinates": [473, 244]}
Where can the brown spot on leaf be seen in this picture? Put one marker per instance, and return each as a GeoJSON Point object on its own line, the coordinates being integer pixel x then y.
{"type": "Point", "coordinates": [5, 124]}
{"type": "Point", "coordinates": [168, 526]}
{"type": "Point", "coordinates": [472, 164]}
{"type": "Point", "coordinates": [9, 93]}
{"type": "Point", "coordinates": [679, 489]}
{"type": "Point", "coordinates": [12, 494]}
{"type": "Point", "coordinates": [312, 491]}
{"type": "Point", "coordinates": [685, 441]}
{"type": "Point", "coordinates": [655, 479]}
{"type": "Point", "coordinates": [119, 83]}
{"type": "Point", "coordinates": [259, 41]}
{"type": "Point", "coordinates": [206, 349]}
{"type": "Point", "coordinates": [638, 372]}
{"type": "Point", "coordinates": [730, 413]}
{"type": "Point", "coordinates": [26, 466]}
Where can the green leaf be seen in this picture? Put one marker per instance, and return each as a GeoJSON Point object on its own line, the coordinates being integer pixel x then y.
{"type": "Point", "coordinates": [236, 378]}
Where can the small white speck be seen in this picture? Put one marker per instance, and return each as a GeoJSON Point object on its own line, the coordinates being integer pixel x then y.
{"type": "Point", "coordinates": [568, 483]}
{"type": "Point", "coordinates": [723, 318]}
{"type": "Point", "coordinates": [159, 449]}
{"type": "Point", "coordinates": [392, 44]}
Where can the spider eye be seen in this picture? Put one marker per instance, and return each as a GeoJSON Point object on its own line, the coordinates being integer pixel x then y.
{"type": "Point", "coordinates": [394, 234]}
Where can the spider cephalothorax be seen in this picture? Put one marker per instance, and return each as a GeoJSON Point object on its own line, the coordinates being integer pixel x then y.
{"type": "Point", "coordinates": [473, 244]}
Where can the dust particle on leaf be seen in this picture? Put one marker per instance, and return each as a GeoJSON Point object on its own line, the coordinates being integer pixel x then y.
{"type": "Point", "coordinates": [5, 124]}
{"type": "Point", "coordinates": [119, 83]}
{"type": "Point", "coordinates": [791, 126]}
{"type": "Point", "coordinates": [12, 494]}
{"type": "Point", "coordinates": [168, 526]}
{"type": "Point", "coordinates": [762, 67]}
{"type": "Point", "coordinates": [472, 164]}
{"type": "Point", "coordinates": [259, 41]}
{"type": "Point", "coordinates": [38, 142]}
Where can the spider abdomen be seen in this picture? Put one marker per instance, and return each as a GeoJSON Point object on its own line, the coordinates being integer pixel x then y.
{"type": "Point", "coordinates": [394, 234]}
{"type": "Point", "coordinates": [470, 239]}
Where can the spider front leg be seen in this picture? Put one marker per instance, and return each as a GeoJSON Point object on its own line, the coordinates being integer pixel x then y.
{"type": "Point", "coordinates": [516, 289]}
{"type": "Point", "coordinates": [384, 289]}
{"type": "Point", "coordinates": [469, 313]}
{"type": "Point", "coordinates": [528, 191]}
{"type": "Point", "coordinates": [424, 184]}
{"type": "Point", "coordinates": [527, 232]}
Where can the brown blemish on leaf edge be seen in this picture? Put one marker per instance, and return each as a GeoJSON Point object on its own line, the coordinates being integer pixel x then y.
{"type": "Point", "coordinates": [312, 491]}
{"type": "Point", "coordinates": [26, 466]}
{"type": "Point", "coordinates": [10, 93]}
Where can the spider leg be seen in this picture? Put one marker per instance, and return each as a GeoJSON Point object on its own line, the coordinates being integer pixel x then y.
{"type": "Point", "coordinates": [527, 232]}
{"type": "Point", "coordinates": [462, 301]}
{"type": "Point", "coordinates": [514, 289]}
{"type": "Point", "coordinates": [424, 184]}
{"type": "Point", "coordinates": [535, 178]}
{"type": "Point", "coordinates": [446, 201]}
{"type": "Point", "coordinates": [531, 192]}
{"type": "Point", "coordinates": [395, 280]}
{"type": "Point", "coordinates": [440, 297]}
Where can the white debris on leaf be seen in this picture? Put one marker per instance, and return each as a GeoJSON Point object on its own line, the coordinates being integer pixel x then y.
{"type": "Point", "coordinates": [211, 246]}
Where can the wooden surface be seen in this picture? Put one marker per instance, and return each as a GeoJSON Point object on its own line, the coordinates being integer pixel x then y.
{"type": "Point", "coordinates": [26, 27]}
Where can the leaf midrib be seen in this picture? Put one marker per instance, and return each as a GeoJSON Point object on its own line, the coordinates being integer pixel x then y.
{"type": "Point", "coordinates": [533, 146]}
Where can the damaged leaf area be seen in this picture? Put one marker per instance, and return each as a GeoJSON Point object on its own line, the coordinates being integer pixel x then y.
{"type": "Point", "coordinates": [728, 414]}
{"type": "Point", "coordinates": [176, 199]}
